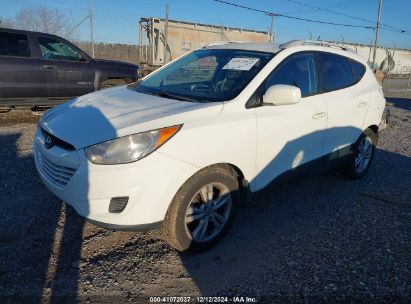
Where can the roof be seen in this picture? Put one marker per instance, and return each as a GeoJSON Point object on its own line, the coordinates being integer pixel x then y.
{"type": "Point", "coordinates": [271, 47]}
{"type": "Point", "coordinates": [268, 47]}
{"type": "Point", "coordinates": [18, 31]}
{"type": "Point", "coordinates": [13, 30]}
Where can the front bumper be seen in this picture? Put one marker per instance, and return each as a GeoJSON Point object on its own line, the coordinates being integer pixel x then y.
{"type": "Point", "coordinates": [150, 184]}
{"type": "Point", "coordinates": [140, 227]}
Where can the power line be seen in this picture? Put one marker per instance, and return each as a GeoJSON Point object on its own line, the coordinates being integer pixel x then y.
{"type": "Point", "coordinates": [303, 19]}
{"type": "Point", "coordinates": [345, 15]}
{"type": "Point", "coordinates": [102, 11]}
{"type": "Point", "coordinates": [293, 17]}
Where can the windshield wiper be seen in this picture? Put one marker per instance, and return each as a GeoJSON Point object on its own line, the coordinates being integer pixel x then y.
{"type": "Point", "coordinates": [164, 94]}
{"type": "Point", "coordinates": [173, 96]}
{"type": "Point", "coordinates": [133, 85]}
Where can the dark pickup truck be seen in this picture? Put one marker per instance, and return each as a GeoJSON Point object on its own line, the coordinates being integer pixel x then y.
{"type": "Point", "coordinates": [38, 69]}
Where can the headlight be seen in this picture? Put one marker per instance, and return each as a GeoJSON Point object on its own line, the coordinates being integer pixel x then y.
{"type": "Point", "coordinates": [129, 148]}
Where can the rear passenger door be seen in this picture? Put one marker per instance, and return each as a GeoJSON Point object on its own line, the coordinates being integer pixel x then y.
{"type": "Point", "coordinates": [20, 75]}
{"type": "Point", "coordinates": [66, 70]}
{"type": "Point", "coordinates": [347, 100]}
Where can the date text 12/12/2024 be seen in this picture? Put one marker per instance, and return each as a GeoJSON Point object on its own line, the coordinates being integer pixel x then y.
{"type": "Point", "coordinates": [201, 299]}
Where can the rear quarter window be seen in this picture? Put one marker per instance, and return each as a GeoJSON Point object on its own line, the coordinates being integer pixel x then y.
{"type": "Point", "coordinates": [15, 45]}
{"type": "Point", "coordinates": [358, 70]}
{"type": "Point", "coordinates": [336, 72]}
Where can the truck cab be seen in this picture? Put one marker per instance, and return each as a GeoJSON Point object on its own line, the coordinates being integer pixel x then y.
{"type": "Point", "coordinates": [42, 69]}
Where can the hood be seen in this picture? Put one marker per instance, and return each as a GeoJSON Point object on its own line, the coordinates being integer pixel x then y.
{"type": "Point", "coordinates": [116, 63]}
{"type": "Point", "coordinates": [117, 112]}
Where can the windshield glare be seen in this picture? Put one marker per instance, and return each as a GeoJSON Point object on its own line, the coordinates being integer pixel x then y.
{"type": "Point", "coordinates": [206, 75]}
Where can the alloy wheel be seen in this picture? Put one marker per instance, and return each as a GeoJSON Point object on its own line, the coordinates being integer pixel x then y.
{"type": "Point", "coordinates": [208, 212]}
{"type": "Point", "coordinates": [364, 154]}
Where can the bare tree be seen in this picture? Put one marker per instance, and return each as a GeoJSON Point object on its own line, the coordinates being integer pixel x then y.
{"type": "Point", "coordinates": [5, 22]}
{"type": "Point", "coordinates": [42, 19]}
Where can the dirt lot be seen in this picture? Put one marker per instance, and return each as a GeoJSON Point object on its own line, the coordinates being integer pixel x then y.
{"type": "Point", "coordinates": [319, 239]}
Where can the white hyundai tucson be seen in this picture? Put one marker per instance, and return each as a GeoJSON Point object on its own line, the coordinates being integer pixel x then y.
{"type": "Point", "coordinates": [184, 147]}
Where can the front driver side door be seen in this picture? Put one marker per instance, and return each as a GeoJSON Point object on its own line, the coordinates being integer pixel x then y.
{"type": "Point", "coordinates": [66, 71]}
{"type": "Point", "coordinates": [290, 135]}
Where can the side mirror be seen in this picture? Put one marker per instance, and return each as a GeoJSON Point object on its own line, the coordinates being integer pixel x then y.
{"type": "Point", "coordinates": [282, 94]}
{"type": "Point", "coordinates": [82, 58]}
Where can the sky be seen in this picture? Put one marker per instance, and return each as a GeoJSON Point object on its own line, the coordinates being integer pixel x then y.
{"type": "Point", "coordinates": [116, 21]}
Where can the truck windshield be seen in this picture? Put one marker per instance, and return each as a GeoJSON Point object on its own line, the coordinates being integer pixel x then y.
{"type": "Point", "coordinates": [205, 75]}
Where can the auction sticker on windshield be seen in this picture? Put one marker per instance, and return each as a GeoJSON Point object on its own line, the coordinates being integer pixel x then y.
{"type": "Point", "coordinates": [241, 64]}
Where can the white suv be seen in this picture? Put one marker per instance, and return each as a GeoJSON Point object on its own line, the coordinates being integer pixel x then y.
{"type": "Point", "coordinates": [182, 148]}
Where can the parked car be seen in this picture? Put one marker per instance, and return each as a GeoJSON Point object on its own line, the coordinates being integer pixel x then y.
{"type": "Point", "coordinates": [43, 69]}
{"type": "Point", "coordinates": [184, 147]}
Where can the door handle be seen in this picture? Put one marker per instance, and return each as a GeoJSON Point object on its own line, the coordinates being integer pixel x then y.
{"type": "Point", "coordinates": [319, 115]}
{"type": "Point", "coordinates": [362, 104]}
{"type": "Point", "coordinates": [49, 67]}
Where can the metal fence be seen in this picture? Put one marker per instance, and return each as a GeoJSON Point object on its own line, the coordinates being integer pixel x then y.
{"type": "Point", "coordinates": [397, 82]}
{"type": "Point", "coordinates": [113, 51]}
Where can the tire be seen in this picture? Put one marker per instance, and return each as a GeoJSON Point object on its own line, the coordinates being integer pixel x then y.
{"type": "Point", "coordinates": [109, 83]}
{"type": "Point", "coordinates": [189, 210]}
{"type": "Point", "coordinates": [360, 162]}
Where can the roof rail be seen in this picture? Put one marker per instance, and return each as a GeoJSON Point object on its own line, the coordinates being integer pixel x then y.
{"type": "Point", "coordinates": [319, 43]}
{"type": "Point", "coordinates": [221, 43]}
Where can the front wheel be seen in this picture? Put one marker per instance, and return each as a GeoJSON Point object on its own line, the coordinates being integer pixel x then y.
{"type": "Point", "coordinates": [203, 210]}
{"type": "Point", "coordinates": [364, 151]}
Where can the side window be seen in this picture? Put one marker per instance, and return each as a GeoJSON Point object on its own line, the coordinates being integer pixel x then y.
{"type": "Point", "coordinates": [16, 45]}
{"type": "Point", "coordinates": [298, 70]}
{"type": "Point", "coordinates": [52, 49]}
{"type": "Point", "coordinates": [358, 70]}
{"type": "Point", "coordinates": [336, 72]}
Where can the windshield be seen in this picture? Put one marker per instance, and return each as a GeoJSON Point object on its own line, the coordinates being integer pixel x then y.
{"type": "Point", "coordinates": [205, 75]}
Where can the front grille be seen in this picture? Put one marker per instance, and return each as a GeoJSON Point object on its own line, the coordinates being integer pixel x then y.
{"type": "Point", "coordinates": [58, 175]}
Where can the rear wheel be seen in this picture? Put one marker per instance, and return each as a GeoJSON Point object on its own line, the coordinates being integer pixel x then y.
{"type": "Point", "coordinates": [203, 210]}
{"type": "Point", "coordinates": [109, 83]}
{"type": "Point", "coordinates": [364, 151]}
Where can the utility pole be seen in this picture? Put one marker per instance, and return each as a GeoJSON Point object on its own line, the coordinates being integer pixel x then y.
{"type": "Point", "coordinates": [271, 27]}
{"type": "Point", "coordinates": [377, 30]}
{"type": "Point", "coordinates": [166, 35]}
{"type": "Point", "coordinates": [140, 42]}
{"type": "Point", "coordinates": [369, 53]}
{"type": "Point", "coordinates": [90, 14]}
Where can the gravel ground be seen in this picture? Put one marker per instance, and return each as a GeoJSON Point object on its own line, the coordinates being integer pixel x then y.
{"type": "Point", "coordinates": [318, 239]}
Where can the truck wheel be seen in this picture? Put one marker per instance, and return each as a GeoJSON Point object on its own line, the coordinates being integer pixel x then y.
{"type": "Point", "coordinates": [203, 210]}
{"type": "Point", "coordinates": [364, 150]}
{"type": "Point", "coordinates": [109, 83]}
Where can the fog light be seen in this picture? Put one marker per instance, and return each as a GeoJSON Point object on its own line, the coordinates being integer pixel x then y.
{"type": "Point", "coordinates": [117, 204]}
